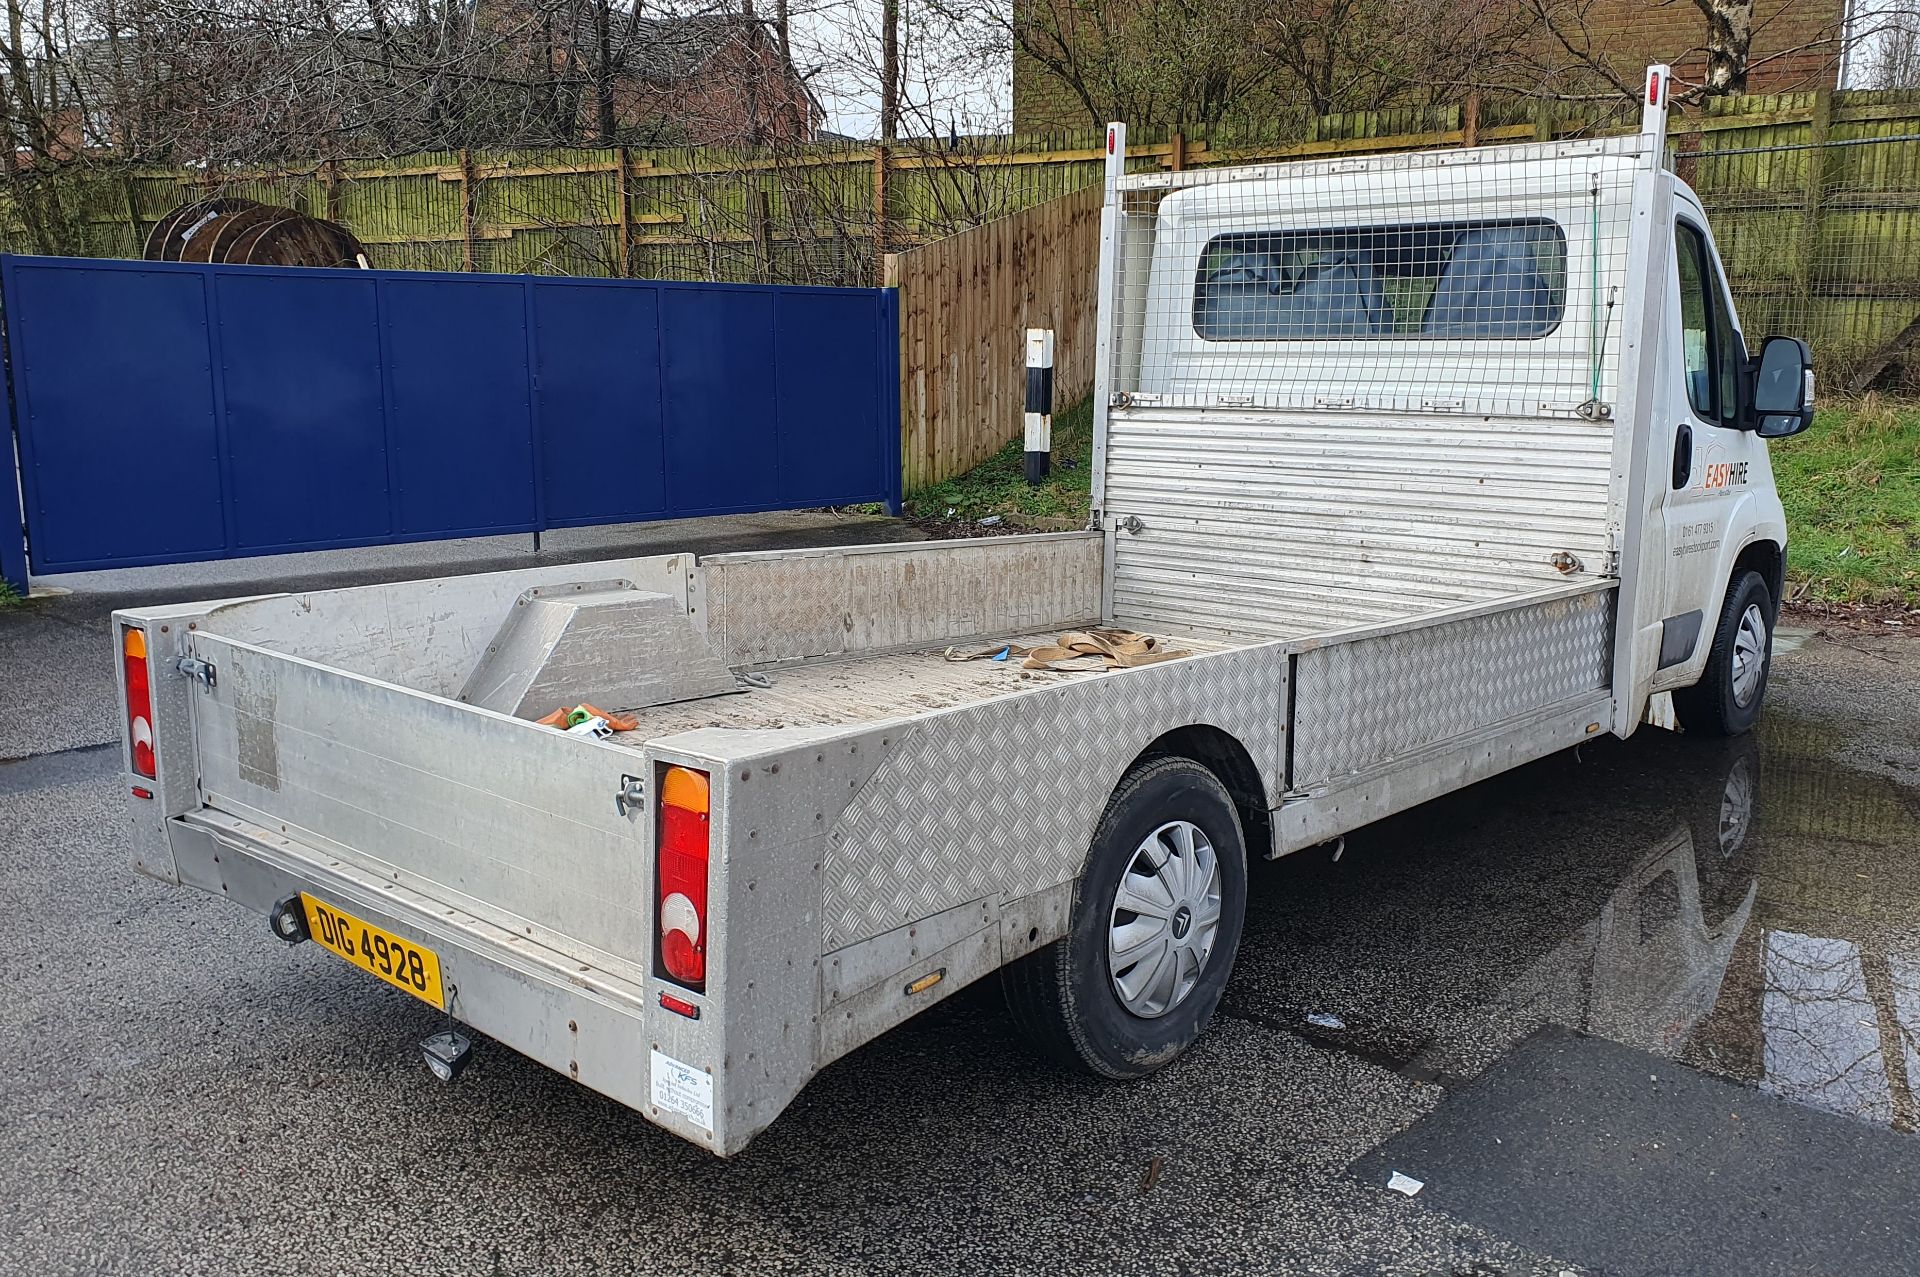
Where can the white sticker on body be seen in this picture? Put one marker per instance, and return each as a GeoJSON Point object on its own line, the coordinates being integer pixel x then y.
{"type": "Point", "coordinates": [683, 1089]}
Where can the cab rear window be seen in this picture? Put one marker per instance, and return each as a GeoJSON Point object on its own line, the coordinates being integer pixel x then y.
{"type": "Point", "coordinates": [1484, 280]}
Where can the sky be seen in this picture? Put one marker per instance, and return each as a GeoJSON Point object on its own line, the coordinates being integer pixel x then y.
{"type": "Point", "coordinates": [960, 76]}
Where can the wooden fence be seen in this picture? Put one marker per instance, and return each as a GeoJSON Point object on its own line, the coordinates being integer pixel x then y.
{"type": "Point", "coordinates": [805, 216]}
{"type": "Point", "coordinates": [965, 305]}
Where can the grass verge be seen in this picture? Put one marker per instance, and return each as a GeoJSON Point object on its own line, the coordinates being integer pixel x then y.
{"type": "Point", "coordinates": [998, 485]}
{"type": "Point", "coordinates": [1851, 488]}
{"type": "Point", "coordinates": [8, 598]}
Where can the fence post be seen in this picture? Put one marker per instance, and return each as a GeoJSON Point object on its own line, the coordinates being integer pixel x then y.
{"type": "Point", "coordinates": [759, 215]}
{"type": "Point", "coordinates": [1543, 122]}
{"type": "Point", "coordinates": [1813, 209]}
{"type": "Point", "coordinates": [625, 196]}
{"type": "Point", "coordinates": [466, 209]}
{"type": "Point", "coordinates": [1470, 119]}
{"type": "Point", "coordinates": [332, 184]}
{"type": "Point", "coordinates": [1039, 419]}
{"type": "Point", "coordinates": [880, 158]}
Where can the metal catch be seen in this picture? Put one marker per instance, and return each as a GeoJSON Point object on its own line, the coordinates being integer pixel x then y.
{"type": "Point", "coordinates": [194, 668]}
{"type": "Point", "coordinates": [631, 798]}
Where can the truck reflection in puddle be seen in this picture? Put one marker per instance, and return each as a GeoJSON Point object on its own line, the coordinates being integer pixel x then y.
{"type": "Point", "coordinates": [1749, 909]}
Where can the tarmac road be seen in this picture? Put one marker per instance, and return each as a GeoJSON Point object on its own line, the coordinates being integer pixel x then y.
{"type": "Point", "coordinates": [183, 1094]}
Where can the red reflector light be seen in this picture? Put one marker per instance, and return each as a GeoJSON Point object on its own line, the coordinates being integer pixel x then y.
{"type": "Point", "coordinates": [140, 792]}
{"type": "Point", "coordinates": [133, 651]}
{"type": "Point", "coordinates": [1110, 139]}
{"type": "Point", "coordinates": [680, 1005]}
{"type": "Point", "coordinates": [685, 802]}
{"type": "Point", "coordinates": [1653, 88]}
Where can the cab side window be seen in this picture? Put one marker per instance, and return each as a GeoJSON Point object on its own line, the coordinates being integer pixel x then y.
{"type": "Point", "coordinates": [1709, 346]}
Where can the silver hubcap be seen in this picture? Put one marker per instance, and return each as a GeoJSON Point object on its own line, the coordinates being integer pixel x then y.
{"type": "Point", "coordinates": [1749, 654]}
{"type": "Point", "coordinates": [1165, 917]}
{"type": "Point", "coordinates": [1736, 807]}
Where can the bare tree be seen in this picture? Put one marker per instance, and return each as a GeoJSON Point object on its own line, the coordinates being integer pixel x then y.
{"type": "Point", "coordinates": [1206, 61]}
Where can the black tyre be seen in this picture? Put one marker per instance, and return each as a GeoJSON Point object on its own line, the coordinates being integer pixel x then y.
{"type": "Point", "coordinates": [1155, 926]}
{"type": "Point", "coordinates": [1726, 700]}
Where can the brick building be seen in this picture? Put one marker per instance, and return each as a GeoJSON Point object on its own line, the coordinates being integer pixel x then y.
{"type": "Point", "coordinates": [1796, 46]}
{"type": "Point", "coordinates": [1796, 43]}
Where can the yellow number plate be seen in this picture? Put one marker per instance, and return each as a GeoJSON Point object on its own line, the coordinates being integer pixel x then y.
{"type": "Point", "coordinates": [401, 963]}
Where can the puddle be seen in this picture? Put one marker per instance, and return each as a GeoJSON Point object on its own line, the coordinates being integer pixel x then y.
{"type": "Point", "coordinates": [1751, 909]}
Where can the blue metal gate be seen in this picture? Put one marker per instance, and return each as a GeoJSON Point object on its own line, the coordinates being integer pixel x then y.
{"type": "Point", "coordinates": [171, 412]}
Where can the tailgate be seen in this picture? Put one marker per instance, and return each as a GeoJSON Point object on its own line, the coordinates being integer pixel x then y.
{"type": "Point", "coordinates": [512, 822]}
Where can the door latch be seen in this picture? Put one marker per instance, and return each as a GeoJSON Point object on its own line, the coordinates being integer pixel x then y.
{"type": "Point", "coordinates": [632, 797]}
{"type": "Point", "coordinates": [198, 670]}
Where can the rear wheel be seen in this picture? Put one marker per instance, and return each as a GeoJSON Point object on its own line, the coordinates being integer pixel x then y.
{"type": "Point", "coordinates": [1726, 700]}
{"type": "Point", "coordinates": [1155, 926]}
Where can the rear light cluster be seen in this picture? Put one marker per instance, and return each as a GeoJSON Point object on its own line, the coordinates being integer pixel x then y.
{"type": "Point", "coordinates": [686, 802]}
{"type": "Point", "coordinates": [133, 651]}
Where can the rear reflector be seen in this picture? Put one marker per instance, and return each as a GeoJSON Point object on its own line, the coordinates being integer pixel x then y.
{"type": "Point", "coordinates": [141, 791]}
{"type": "Point", "coordinates": [680, 1006]}
{"type": "Point", "coordinates": [685, 800]}
{"type": "Point", "coordinates": [133, 650]}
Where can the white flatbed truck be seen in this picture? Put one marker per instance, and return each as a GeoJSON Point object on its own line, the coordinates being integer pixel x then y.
{"type": "Point", "coordinates": [1433, 464]}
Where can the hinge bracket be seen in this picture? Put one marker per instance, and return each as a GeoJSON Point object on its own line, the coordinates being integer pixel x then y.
{"type": "Point", "coordinates": [200, 671]}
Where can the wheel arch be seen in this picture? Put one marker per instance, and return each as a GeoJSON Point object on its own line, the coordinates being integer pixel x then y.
{"type": "Point", "coordinates": [1221, 753]}
{"type": "Point", "coordinates": [1769, 559]}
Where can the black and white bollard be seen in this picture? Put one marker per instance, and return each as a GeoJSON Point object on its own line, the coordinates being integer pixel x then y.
{"type": "Point", "coordinates": [1039, 405]}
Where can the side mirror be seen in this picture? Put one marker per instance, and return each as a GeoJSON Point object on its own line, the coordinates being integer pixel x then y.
{"type": "Point", "coordinates": [1782, 388]}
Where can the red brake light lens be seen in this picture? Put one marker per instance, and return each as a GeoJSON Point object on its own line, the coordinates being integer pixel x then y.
{"type": "Point", "coordinates": [133, 651]}
{"type": "Point", "coordinates": [685, 814]}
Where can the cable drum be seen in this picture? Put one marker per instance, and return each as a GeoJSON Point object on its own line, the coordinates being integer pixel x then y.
{"type": "Point", "coordinates": [240, 231]}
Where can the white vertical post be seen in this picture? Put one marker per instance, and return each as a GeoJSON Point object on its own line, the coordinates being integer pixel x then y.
{"type": "Point", "coordinates": [1107, 275]}
{"type": "Point", "coordinates": [1653, 110]}
{"type": "Point", "coordinates": [1039, 419]}
{"type": "Point", "coordinates": [1637, 420]}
